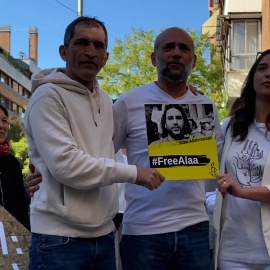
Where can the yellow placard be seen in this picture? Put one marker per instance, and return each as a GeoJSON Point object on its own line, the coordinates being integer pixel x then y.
{"type": "Point", "coordinates": [193, 158]}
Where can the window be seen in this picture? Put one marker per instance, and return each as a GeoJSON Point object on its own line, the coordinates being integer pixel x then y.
{"type": "Point", "coordinates": [26, 93]}
{"type": "Point", "coordinates": [5, 102]}
{"type": "Point", "coordinates": [245, 43]}
{"type": "Point", "coordinates": [4, 79]}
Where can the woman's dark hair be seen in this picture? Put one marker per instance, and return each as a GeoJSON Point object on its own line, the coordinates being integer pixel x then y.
{"type": "Point", "coordinates": [243, 109]}
{"type": "Point", "coordinates": [185, 131]}
{"type": "Point", "coordinates": [4, 110]}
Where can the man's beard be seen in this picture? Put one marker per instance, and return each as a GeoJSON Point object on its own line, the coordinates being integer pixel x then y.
{"type": "Point", "coordinates": [166, 74]}
{"type": "Point", "coordinates": [177, 136]}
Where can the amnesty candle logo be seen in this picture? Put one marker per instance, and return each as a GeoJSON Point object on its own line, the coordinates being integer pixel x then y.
{"type": "Point", "coordinates": [181, 140]}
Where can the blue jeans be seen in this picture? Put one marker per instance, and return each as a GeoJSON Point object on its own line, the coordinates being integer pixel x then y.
{"type": "Point", "coordinates": [49, 252]}
{"type": "Point", "coordinates": [187, 249]}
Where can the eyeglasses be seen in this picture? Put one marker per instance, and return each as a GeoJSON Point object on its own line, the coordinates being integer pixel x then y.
{"type": "Point", "coordinates": [263, 52]}
{"type": "Point", "coordinates": [259, 54]}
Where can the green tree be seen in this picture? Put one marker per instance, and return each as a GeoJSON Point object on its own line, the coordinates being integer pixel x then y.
{"type": "Point", "coordinates": [18, 144]}
{"type": "Point", "coordinates": [15, 133]}
{"type": "Point", "coordinates": [130, 66]}
{"type": "Point", "coordinates": [21, 153]}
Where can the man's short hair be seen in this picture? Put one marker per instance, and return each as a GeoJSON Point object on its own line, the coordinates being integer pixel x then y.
{"type": "Point", "coordinates": [90, 21]}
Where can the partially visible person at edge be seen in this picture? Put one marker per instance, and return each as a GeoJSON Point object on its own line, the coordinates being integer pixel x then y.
{"type": "Point", "coordinates": [243, 240]}
{"type": "Point", "coordinates": [14, 196]}
{"type": "Point", "coordinates": [174, 124]}
{"type": "Point", "coordinates": [69, 128]}
{"type": "Point", "coordinates": [194, 128]}
{"type": "Point", "coordinates": [168, 228]}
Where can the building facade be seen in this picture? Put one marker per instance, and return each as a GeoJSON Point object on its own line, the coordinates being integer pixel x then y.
{"type": "Point", "coordinates": [239, 29]}
{"type": "Point", "coordinates": [15, 73]}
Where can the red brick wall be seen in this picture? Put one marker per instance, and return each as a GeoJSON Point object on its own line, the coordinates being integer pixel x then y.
{"type": "Point", "coordinates": [5, 40]}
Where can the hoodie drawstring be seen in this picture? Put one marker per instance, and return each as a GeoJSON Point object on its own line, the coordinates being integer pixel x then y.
{"type": "Point", "coordinates": [95, 89]}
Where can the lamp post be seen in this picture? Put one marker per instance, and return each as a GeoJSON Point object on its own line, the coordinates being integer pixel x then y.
{"type": "Point", "coordinates": [80, 8]}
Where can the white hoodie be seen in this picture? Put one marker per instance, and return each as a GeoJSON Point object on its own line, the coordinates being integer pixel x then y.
{"type": "Point", "coordinates": [70, 131]}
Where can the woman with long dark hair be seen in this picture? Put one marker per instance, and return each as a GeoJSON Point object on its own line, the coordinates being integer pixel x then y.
{"type": "Point", "coordinates": [242, 216]}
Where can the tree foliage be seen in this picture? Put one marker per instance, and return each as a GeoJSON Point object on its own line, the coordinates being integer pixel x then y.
{"type": "Point", "coordinates": [130, 66]}
{"type": "Point", "coordinates": [18, 144]}
{"type": "Point", "coordinates": [15, 133]}
{"type": "Point", "coordinates": [21, 153]}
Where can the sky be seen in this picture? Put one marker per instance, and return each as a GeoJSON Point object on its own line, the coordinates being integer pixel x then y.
{"type": "Point", "coordinates": [51, 17]}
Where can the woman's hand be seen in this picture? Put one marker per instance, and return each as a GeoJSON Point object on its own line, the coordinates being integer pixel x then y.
{"type": "Point", "coordinates": [227, 185]}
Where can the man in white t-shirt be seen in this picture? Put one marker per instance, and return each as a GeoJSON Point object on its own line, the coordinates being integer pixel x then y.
{"type": "Point", "coordinates": [167, 228]}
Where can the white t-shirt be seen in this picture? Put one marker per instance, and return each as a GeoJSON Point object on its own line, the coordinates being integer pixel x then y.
{"type": "Point", "coordinates": [242, 237]}
{"type": "Point", "coordinates": [175, 205]}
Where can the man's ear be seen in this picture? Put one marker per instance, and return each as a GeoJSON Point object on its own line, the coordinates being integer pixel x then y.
{"type": "Point", "coordinates": [194, 61]}
{"type": "Point", "coordinates": [153, 59]}
{"type": "Point", "coordinates": [105, 59]}
{"type": "Point", "coordinates": [62, 52]}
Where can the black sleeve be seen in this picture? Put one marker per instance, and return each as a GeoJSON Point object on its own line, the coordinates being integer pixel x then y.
{"type": "Point", "coordinates": [23, 199]}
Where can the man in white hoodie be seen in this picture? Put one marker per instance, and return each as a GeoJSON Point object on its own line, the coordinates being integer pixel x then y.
{"type": "Point", "coordinates": [69, 128]}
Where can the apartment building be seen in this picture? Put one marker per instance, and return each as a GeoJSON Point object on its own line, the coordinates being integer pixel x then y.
{"type": "Point", "coordinates": [239, 29]}
{"type": "Point", "coordinates": [15, 73]}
